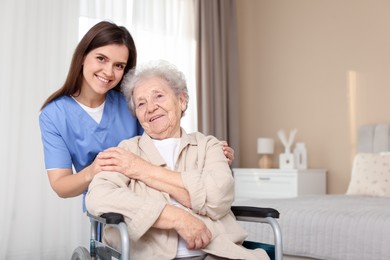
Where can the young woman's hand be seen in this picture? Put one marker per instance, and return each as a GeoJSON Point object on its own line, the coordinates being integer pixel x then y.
{"type": "Point", "coordinates": [228, 151]}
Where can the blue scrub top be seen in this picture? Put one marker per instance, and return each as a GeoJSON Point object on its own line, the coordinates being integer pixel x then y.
{"type": "Point", "coordinates": [71, 136]}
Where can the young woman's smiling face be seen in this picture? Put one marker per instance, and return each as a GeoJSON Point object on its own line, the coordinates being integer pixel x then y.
{"type": "Point", "coordinates": [158, 109]}
{"type": "Point", "coordinates": [103, 68]}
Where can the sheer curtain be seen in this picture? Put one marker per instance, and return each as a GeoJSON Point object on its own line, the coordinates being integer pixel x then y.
{"type": "Point", "coordinates": [162, 29]}
{"type": "Point", "coordinates": [38, 38]}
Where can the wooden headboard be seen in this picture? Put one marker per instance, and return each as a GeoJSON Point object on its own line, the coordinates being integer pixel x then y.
{"type": "Point", "coordinates": [374, 138]}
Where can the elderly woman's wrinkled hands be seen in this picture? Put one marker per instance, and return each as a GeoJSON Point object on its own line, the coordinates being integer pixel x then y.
{"type": "Point", "coordinates": [193, 231]}
{"type": "Point", "coordinates": [119, 160]}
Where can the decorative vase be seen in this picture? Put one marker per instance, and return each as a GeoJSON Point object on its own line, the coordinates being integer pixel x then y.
{"type": "Point", "coordinates": [300, 156]}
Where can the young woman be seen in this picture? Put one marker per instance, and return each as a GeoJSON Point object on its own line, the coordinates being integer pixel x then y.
{"type": "Point", "coordinates": [89, 114]}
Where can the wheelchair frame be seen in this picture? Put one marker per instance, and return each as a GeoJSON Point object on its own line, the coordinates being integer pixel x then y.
{"type": "Point", "coordinates": [101, 251]}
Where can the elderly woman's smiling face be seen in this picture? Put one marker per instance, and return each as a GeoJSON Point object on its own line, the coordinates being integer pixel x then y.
{"type": "Point", "coordinates": [157, 108]}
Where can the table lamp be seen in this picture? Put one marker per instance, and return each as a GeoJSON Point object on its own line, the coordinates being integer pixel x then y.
{"type": "Point", "coordinates": [265, 147]}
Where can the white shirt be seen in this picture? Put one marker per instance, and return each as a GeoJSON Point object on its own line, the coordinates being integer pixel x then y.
{"type": "Point", "coordinates": [96, 113]}
{"type": "Point", "coordinates": [169, 150]}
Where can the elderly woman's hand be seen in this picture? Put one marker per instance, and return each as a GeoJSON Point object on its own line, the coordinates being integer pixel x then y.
{"type": "Point", "coordinates": [194, 232]}
{"type": "Point", "coordinates": [131, 165]}
{"type": "Point", "coordinates": [119, 160]}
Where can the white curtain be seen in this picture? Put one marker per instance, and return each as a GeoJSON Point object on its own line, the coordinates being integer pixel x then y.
{"type": "Point", "coordinates": [37, 41]}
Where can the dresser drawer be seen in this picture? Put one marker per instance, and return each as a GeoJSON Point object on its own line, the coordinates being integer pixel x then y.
{"type": "Point", "coordinates": [255, 183]}
{"type": "Point", "coordinates": [251, 185]}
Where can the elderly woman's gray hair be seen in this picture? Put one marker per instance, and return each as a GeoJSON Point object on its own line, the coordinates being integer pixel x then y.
{"type": "Point", "coordinates": [160, 68]}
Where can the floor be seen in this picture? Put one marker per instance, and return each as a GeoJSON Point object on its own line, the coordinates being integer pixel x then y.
{"type": "Point", "coordinates": [288, 257]}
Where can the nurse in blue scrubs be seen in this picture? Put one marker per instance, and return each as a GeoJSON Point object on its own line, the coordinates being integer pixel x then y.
{"type": "Point", "coordinates": [89, 114]}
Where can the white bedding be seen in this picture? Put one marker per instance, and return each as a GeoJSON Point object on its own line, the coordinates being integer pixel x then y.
{"type": "Point", "coordinates": [342, 227]}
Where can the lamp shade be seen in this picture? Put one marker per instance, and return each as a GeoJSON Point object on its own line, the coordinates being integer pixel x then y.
{"type": "Point", "coordinates": [265, 146]}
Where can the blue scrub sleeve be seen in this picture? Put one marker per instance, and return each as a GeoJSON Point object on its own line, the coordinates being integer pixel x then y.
{"type": "Point", "coordinates": [56, 152]}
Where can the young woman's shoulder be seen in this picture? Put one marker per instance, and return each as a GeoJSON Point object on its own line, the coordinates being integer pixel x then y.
{"type": "Point", "coordinates": [116, 95]}
{"type": "Point", "coordinates": [58, 105]}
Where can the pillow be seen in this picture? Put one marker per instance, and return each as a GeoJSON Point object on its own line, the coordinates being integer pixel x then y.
{"type": "Point", "coordinates": [370, 175]}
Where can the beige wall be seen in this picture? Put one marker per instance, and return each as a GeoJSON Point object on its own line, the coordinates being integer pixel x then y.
{"type": "Point", "coordinates": [299, 60]}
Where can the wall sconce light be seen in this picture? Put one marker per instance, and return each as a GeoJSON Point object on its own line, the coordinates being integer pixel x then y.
{"type": "Point", "coordinates": [265, 147]}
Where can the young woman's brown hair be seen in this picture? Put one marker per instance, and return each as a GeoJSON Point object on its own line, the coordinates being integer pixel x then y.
{"type": "Point", "coordinates": [101, 34]}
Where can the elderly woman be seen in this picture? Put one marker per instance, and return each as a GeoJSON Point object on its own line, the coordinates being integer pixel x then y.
{"type": "Point", "coordinates": [177, 193]}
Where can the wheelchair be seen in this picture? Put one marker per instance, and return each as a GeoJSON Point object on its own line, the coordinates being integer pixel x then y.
{"type": "Point", "coordinates": [100, 251]}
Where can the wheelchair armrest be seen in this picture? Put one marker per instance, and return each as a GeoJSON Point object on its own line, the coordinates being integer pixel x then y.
{"type": "Point", "coordinates": [262, 215]}
{"type": "Point", "coordinates": [108, 218]}
{"type": "Point", "coordinates": [247, 211]}
{"type": "Point", "coordinates": [116, 220]}
{"type": "Point", "coordinates": [113, 218]}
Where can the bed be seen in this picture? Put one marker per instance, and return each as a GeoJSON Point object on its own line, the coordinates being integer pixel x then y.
{"type": "Point", "coordinates": [352, 226]}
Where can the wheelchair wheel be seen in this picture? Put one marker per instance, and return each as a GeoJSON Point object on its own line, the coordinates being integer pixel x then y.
{"type": "Point", "coordinates": [81, 253]}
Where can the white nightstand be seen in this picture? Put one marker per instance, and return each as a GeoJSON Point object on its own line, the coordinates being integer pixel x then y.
{"type": "Point", "coordinates": [278, 183]}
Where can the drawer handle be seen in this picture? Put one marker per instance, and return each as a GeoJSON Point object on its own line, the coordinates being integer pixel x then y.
{"type": "Point", "coordinates": [264, 178]}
